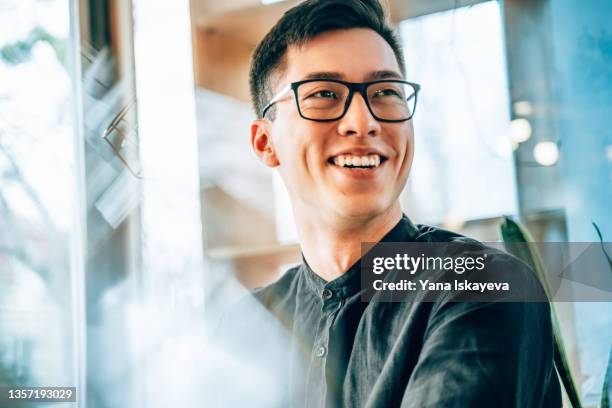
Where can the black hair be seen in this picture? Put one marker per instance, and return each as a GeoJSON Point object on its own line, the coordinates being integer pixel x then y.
{"type": "Point", "coordinates": [304, 22]}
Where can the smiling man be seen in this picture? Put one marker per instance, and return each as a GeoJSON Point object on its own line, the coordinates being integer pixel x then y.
{"type": "Point", "coordinates": [345, 149]}
{"type": "Point", "coordinates": [335, 120]}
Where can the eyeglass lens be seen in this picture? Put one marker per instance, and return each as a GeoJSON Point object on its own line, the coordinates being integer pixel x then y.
{"type": "Point", "coordinates": [323, 100]}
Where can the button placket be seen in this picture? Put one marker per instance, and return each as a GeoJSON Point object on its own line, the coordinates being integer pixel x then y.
{"type": "Point", "coordinates": [332, 303]}
{"type": "Point", "coordinates": [321, 350]}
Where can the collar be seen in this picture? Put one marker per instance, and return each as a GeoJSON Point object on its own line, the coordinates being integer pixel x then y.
{"type": "Point", "coordinates": [349, 282]}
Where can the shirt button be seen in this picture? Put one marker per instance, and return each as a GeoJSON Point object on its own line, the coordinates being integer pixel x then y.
{"type": "Point", "coordinates": [327, 294]}
{"type": "Point", "coordinates": [321, 351]}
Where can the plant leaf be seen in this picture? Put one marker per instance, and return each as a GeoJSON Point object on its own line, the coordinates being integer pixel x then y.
{"type": "Point", "coordinates": [512, 234]}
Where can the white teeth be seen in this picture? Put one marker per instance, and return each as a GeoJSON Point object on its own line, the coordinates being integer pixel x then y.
{"type": "Point", "coordinates": [343, 160]}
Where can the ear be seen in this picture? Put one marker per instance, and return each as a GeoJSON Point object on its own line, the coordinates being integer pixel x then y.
{"type": "Point", "coordinates": [261, 141]}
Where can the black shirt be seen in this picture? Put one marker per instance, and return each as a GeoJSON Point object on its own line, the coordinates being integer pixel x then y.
{"type": "Point", "coordinates": [324, 346]}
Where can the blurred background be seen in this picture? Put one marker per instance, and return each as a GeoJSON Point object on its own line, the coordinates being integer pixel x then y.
{"type": "Point", "coordinates": [133, 212]}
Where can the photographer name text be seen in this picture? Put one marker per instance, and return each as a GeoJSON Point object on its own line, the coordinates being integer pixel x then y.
{"type": "Point", "coordinates": [427, 285]}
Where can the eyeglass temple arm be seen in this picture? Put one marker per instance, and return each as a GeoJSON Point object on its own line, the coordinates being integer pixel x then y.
{"type": "Point", "coordinates": [417, 88]}
{"type": "Point", "coordinates": [276, 98]}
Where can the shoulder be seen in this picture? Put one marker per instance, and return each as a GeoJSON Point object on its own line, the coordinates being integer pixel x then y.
{"type": "Point", "coordinates": [449, 242]}
{"type": "Point", "coordinates": [522, 309]}
{"type": "Point", "coordinates": [455, 244]}
{"type": "Point", "coordinates": [277, 300]}
{"type": "Point", "coordinates": [260, 304]}
{"type": "Point", "coordinates": [279, 291]}
{"type": "Point", "coordinates": [499, 265]}
{"type": "Point", "coordinates": [429, 233]}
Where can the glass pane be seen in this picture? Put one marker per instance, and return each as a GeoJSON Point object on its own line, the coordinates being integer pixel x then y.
{"type": "Point", "coordinates": [144, 264]}
{"type": "Point", "coordinates": [463, 120]}
{"type": "Point", "coordinates": [39, 199]}
{"type": "Point", "coordinates": [112, 178]}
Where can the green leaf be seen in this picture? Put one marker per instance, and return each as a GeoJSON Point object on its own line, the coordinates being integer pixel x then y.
{"type": "Point", "coordinates": [519, 242]}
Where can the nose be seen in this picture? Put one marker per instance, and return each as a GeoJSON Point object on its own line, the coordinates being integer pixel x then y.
{"type": "Point", "coordinates": [358, 121]}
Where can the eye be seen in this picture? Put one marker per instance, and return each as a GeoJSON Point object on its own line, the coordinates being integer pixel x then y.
{"type": "Point", "coordinates": [324, 94]}
{"type": "Point", "coordinates": [387, 92]}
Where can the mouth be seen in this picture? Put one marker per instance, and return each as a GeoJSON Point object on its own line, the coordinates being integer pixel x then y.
{"type": "Point", "coordinates": [350, 161]}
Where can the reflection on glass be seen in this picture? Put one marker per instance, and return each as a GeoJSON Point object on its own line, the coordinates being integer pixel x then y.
{"type": "Point", "coordinates": [463, 120]}
{"type": "Point", "coordinates": [37, 194]}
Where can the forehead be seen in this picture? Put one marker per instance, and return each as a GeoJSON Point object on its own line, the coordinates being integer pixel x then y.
{"type": "Point", "coordinates": [353, 54]}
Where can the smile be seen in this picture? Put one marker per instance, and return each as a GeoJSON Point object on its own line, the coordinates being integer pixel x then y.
{"type": "Point", "coordinates": [370, 161]}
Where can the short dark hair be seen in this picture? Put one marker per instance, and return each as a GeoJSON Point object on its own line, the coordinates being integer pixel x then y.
{"type": "Point", "coordinates": [304, 22]}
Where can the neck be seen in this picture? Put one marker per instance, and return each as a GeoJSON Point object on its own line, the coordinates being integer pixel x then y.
{"type": "Point", "coordinates": [331, 246]}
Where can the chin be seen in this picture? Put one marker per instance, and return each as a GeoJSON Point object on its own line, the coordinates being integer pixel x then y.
{"type": "Point", "coordinates": [361, 208]}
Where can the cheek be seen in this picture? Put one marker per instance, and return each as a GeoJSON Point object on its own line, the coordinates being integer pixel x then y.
{"type": "Point", "coordinates": [304, 145]}
{"type": "Point", "coordinates": [403, 144]}
{"type": "Point", "coordinates": [402, 141]}
{"type": "Point", "coordinates": [409, 154]}
{"type": "Point", "coordinates": [301, 145]}
{"type": "Point", "coordinates": [407, 138]}
{"type": "Point", "coordinates": [409, 148]}
{"type": "Point", "coordinates": [294, 152]}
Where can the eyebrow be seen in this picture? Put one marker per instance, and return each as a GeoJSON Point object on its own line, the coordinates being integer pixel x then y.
{"type": "Point", "coordinates": [386, 74]}
{"type": "Point", "coordinates": [372, 76]}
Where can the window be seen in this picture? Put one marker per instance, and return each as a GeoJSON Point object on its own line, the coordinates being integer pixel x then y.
{"type": "Point", "coordinates": [39, 291]}
{"type": "Point", "coordinates": [463, 167]}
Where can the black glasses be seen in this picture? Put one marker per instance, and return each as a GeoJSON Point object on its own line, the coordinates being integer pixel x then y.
{"type": "Point", "coordinates": [326, 100]}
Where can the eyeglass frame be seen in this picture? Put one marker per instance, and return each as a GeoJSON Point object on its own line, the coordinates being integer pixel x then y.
{"type": "Point", "coordinates": [360, 87]}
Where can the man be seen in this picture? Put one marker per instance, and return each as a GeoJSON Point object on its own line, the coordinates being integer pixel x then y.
{"type": "Point", "coordinates": [335, 120]}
